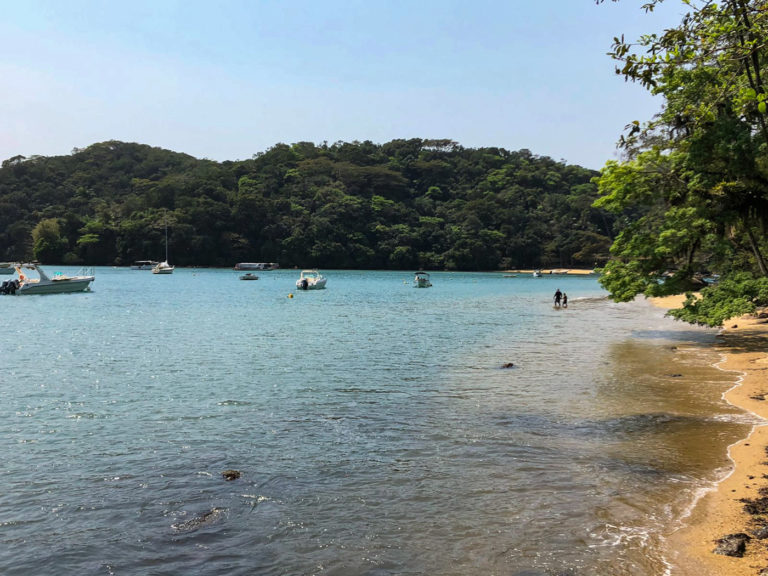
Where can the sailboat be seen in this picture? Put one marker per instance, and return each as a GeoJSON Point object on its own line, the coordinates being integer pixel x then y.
{"type": "Point", "coordinates": [163, 267]}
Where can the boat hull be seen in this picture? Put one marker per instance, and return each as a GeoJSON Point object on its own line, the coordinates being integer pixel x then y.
{"type": "Point", "coordinates": [57, 286]}
{"type": "Point", "coordinates": [319, 285]}
{"type": "Point", "coordinates": [262, 266]}
{"type": "Point", "coordinates": [144, 265]}
{"type": "Point", "coordinates": [163, 268]}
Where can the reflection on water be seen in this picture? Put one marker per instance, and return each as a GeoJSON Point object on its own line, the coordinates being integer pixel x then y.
{"type": "Point", "coordinates": [374, 426]}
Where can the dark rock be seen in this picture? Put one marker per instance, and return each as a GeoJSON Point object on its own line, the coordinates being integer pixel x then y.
{"type": "Point", "coordinates": [735, 326]}
{"type": "Point", "coordinates": [761, 533]}
{"type": "Point", "coordinates": [231, 475]}
{"type": "Point", "coordinates": [198, 522]}
{"type": "Point", "coordinates": [732, 545]}
{"type": "Point", "coordinates": [675, 375]}
{"type": "Point", "coordinates": [755, 506]}
{"type": "Point", "coordinates": [508, 365]}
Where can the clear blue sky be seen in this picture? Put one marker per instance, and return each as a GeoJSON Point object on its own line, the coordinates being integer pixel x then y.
{"type": "Point", "coordinates": [227, 79]}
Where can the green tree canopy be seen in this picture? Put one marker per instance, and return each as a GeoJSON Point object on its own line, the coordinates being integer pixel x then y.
{"type": "Point", "coordinates": [404, 204]}
{"type": "Point", "coordinates": [693, 189]}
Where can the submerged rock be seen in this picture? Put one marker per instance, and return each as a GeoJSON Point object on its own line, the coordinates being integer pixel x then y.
{"type": "Point", "coordinates": [732, 545]}
{"type": "Point", "coordinates": [508, 365]}
{"type": "Point", "coordinates": [205, 519]}
{"type": "Point", "coordinates": [231, 475]}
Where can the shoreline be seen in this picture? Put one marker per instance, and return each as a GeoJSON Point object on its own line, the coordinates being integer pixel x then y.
{"type": "Point", "coordinates": [720, 511]}
{"type": "Point", "coordinates": [555, 271]}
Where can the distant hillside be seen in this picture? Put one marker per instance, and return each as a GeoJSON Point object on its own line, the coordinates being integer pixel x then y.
{"type": "Point", "coordinates": [405, 204]}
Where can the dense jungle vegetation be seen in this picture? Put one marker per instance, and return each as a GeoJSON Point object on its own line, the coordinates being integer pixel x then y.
{"type": "Point", "coordinates": [404, 204]}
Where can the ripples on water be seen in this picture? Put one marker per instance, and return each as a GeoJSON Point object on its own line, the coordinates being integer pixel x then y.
{"type": "Point", "coordinates": [374, 427]}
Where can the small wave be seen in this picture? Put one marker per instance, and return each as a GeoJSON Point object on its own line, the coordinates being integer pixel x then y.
{"type": "Point", "coordinates": [85, 415]}
{"type": "Point", "coordinates": [589, 299]}
{"type": "Point", "coordinates": [234, 403]}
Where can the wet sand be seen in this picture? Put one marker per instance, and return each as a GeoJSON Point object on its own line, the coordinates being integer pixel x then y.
{"type": "Point", "coordinates": [743, 343]}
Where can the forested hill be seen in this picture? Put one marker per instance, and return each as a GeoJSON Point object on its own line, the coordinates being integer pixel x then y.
{"type": "Point", "coordinates": [405, 204]}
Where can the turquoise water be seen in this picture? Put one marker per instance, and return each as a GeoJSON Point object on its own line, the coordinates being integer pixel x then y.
{"type": "Point", "coordinates": [374, 427]}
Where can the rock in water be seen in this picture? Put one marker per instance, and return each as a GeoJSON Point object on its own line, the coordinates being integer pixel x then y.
{"type": "Point", "coordinates": [231, 475]}
{"type": "Point", "coordinates": [205, 519]}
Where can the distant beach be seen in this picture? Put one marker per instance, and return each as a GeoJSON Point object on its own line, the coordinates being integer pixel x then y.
{"type": "Point", "coordinates": [743, 343]}
{"type": "Point", "coordinates": [571, 271]}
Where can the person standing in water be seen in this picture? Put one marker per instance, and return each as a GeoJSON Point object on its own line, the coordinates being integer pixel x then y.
{"type": "Point", "coordinates": [565, 300]}
{"type": "Point", "coordinates": [558, 296]}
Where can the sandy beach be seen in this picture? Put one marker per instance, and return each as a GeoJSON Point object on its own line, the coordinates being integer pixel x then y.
{"type": "Point", "coordinates": [743, 343]}
{"type": "Point", "coordinates": [561, 271]}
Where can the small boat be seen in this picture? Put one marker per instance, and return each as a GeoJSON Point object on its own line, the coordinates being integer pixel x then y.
{"type": "Point", "coordinates": [44, 284]}
{"type": "Point", "coordinates": [144, 264]}
{"type": "Point", "coordinates": [421, 280]}
{"type": "Point", "coordinates": [7, 268]}
{"type": "Point", "coordinates": [311, 280]}
{"type": "Point", "coordinates": [263, 266]}
{"type": "Point", "coordinates": [537, 273]}
{"type": "Point", "coordinates": [249, 276]}
{"type": "Point", "coordinates": [163, 267]}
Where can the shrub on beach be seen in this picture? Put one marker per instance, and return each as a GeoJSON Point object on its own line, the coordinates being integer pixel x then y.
{"type": "Point", "coordinates": [735, 295]}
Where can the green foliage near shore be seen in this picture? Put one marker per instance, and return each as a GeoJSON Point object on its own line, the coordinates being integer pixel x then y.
{"type": "Point", "coordinates": [735, 295]}
{"type": "Point", "coordinates": [693, 188]}
{"type": "Point", "coordinates": [404, 204]}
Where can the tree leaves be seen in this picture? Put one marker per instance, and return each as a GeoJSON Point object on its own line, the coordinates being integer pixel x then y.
{"type": "Point", "coordinates": [695, 185]}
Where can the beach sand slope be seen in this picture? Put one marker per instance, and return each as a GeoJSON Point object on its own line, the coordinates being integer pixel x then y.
{"type": "Point", "coordinates": [744, 345]}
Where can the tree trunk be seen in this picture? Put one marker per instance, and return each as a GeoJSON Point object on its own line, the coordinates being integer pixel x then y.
{"type": "Point", "coordinates": [756, 250]}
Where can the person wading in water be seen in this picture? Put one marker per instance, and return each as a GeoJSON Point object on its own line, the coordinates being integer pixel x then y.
{"type": "Point", "coordinates": [558, 296]}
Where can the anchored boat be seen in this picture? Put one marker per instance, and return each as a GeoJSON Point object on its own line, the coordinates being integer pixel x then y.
{"type": "Point", "coordinates": [44, 284]}
{"type": "Point", "coordinates": [421, 280]}
{"type": "Point", "coordinates": [311, 280]}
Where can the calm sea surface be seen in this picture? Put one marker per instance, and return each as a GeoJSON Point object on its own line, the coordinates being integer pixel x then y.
{"type": "Point", "coordinates": [373, 424]}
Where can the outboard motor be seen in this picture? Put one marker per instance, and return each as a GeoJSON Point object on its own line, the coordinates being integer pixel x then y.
{"type": "Point", "coordinates": [304, 284]}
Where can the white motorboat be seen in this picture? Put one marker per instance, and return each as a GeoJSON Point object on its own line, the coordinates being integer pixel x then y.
{"type": "Point", "coordinates": [537, 273]}
{"type": "Point", "coordinates": [421, 280]}
{"type": "Point", "coordinates": [249, 276]}
{"type": "Point", "coordinates": [144, 264]}
{"type": "Point", "coordinates": [311, 280]}
{"type": "Point", "coordinates": [58, 284]}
